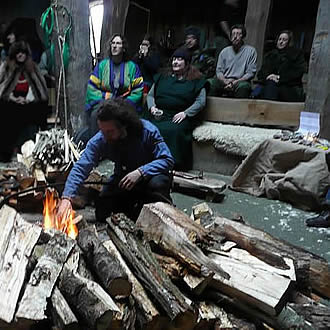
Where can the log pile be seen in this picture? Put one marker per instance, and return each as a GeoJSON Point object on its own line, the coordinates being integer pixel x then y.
{"type": "Point", "coordinates": [46, 161]}
{"type": "Point", "coordinates": [166, 271]}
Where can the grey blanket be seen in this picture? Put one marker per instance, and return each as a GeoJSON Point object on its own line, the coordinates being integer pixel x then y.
{"type": "Point", "coordinates": [285, 171]}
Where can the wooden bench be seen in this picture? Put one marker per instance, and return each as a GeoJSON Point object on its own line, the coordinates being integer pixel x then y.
{"type": "Point", "coordinates": [265, 116]}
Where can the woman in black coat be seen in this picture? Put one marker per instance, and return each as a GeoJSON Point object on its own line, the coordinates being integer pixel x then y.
{"type": "Point", "coordinates": [282, 70]}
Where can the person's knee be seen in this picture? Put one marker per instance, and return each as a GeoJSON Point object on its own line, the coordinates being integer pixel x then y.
{"type": "Point", "coordinates": [243, 89]}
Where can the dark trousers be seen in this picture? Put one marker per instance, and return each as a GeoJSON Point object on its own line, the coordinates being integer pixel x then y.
{"type": "Point", "coordinates": [115, 200]}
{"type": "Point", "coordinates": [273, 91]}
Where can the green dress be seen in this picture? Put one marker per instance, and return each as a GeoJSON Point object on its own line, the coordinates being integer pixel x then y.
{"type": "Point", "coordinates": [173, 96]}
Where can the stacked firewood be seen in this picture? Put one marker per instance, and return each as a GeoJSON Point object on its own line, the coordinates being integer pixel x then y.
{"type": "Point", "coordinates": [47, 160]}
{"type": "Point", "coordinates": [166, 271]}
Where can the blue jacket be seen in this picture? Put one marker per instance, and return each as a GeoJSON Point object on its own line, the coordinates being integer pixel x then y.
{"type": "Point", "coordinates": [149, 154]}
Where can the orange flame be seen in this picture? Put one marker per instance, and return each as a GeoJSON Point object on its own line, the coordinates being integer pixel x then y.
{"type": "Point", "coordinates": [66, 224]}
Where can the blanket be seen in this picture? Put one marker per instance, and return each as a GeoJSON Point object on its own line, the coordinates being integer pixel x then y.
{"type": "Point", "coordinates": [285, 171]}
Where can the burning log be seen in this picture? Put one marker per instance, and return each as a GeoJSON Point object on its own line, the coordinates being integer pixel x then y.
{"type": "Point", "coordinates": [147, 314]}
{"type": "Point", "coordinates": [61, 312]}
{"type": "Point", "coordinates": [92, 305]}
{"type": "Point", "coordinates": [17, 240]}
{"type": "Point", "coordinates": [33, 304]}
{"type": "Point", "coordinates": [105, 265]}
{"type": "Point", "coordinates": [125, 320]}
{"type": "Point", "coordinates": [139, 257]}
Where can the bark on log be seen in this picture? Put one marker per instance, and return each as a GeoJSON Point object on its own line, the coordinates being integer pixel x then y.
{"type": "Point", "coordinates": [33, 304]}
{"type": "Point", "coordinates": [287, 319]}
{"type": "Point", "coordinates": [313, 269]}
{"type": "Point", "coordinates": [90, 303]}
{"type": "Point", "coordinates": [176, 234]}
{"type": "Point", "coordinates": [139, 257]}
{"type": "Point", "coordinates": [17, 240]}
{"type": "Point", "coordinates": [106, 267]}
{"type": "Point", "coordinates": [147, 314]}
{"type": "Point", "coordinates": [125, 320]}
{"type": "Point", "coordinates": [62, 315]}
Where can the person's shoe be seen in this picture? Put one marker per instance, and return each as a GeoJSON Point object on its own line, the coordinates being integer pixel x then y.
{"type": "Point", "coordinates": [320, 221]}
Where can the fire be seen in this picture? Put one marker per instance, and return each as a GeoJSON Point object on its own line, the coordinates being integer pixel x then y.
{"type": "Point", "coordinates": [66, 224]}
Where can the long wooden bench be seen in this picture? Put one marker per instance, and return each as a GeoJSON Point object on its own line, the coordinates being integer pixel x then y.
{"type": "Point", "coordinates": [210, 153]}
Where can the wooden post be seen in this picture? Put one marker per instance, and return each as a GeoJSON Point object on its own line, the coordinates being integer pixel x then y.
{"type": "Point", "coordinates": [114, 20]}
{"type": "Point", "coordinates": [256, 23]}
{"type": "Point", "coordinates": [318, 85]}
{"type": "Point", "coordinates": [80, 62]}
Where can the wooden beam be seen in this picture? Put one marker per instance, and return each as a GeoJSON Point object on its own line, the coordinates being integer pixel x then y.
{"type": "Point", "coordinates": [318, 85]}
{"type": "Point", "coordinates": [114, 20]}
{"type": "Point", "coordinates": [253, 112]}
{"type": "Point", "coordinates": [256, 20]}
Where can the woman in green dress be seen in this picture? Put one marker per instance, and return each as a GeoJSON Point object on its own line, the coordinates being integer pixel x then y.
{"type": "Point", "coordinates": [174, 101]}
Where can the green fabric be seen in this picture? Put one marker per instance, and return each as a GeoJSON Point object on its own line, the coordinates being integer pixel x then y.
{"type": "Point", "coordinates": [204, 61]}
{"type": "Point", "coordinates": [173, 96]}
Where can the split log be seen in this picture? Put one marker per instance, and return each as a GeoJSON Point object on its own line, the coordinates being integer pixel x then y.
{"type": "Point", "coordinates": [62, 315]}
{"type": "Point", "coordinates": [106, 267]}
{"type": "Point", "coordinates": [33, 304]}
{"type": "Point", "coordinates": [197, 284]}
{"type": "Point", "coordinates": [210, 316]}
{"type": "Point", "coordinates": [175, 233]}
{"type": "Point", "coordinates": [17, 240]}
{"type": "Point", "coordinates": [125, 320]}
{"type": "Point", "coordinates": [170, 266]}
{"type": "Point", "coordinates": [197, 184]}
{"type": "Point", "coordinates": [253, 281]}
{"type": "Point", "coordinates": [138, 255]}
{"type": "Point", "coordinates": [90, 303]}
{"type": "Point", "coordinates": [310, 268]}
{"type": "Point", "coordinates": [287, 319]}
{"type": "Point", "coordinates": [147, 314]}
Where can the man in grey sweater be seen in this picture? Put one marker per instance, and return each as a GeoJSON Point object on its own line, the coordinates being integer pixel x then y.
{"type": "Point", "coordinates": [236, 67]}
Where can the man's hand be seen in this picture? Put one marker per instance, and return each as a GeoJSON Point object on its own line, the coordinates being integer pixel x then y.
{"type": "Point", "coordinates": [130, 180]}
{"type": "Point", "coordinates": [178, 117]}
{"type": "Point", "coordinates": [63, 209]}
{"type": "Point", "coordinates": [273, 77]}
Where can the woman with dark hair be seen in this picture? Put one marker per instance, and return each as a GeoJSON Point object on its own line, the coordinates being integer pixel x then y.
{"type": "Point", "coordinates": [148, 59]}
{"type": "Point", "coordinates": [23, 96]}
{"type": "Point", "coordinates": [282, 70]}
{"type": "Point", "coordinates": [115, 76]}
{"type": "Point", "coordinates": [174, 101]}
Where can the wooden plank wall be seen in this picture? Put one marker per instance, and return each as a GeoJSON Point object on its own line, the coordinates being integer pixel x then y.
{"type": "Point", "coordinates": [253, 112]}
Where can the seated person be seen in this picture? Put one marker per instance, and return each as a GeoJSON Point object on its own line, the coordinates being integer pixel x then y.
{"type": "Point", "coordinates": [142, 163]}
{"type": "Point", "coordinates": [180, 93]}
{"type": "Point", "coordinates": [115, 76]}
{"type": "Point", "coordinates": [23, 97]}
{"type": "Point", "coordinates": [281, 72]}
{"type": "Point", "coordinates": [148, 59]}
{"type": "Point", "coordinates": [236, 67]}
{"type": "Point", "coordinates": [203, 60]}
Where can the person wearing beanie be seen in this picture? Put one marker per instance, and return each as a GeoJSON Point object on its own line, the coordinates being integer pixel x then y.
{"type": "Point", "coordinates": [203, 60]}
{"type": "Point", "coordinates": [174, 102]}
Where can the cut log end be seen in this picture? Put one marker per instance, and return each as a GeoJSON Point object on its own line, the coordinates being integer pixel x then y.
{"type": "Point", "coordinates": [120, 288]}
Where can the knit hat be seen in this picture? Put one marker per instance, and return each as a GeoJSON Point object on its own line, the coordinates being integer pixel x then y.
{"type": "Point", "coordinates": [182, 52]}
{"type": "Point", "coordinates": [193, 30]}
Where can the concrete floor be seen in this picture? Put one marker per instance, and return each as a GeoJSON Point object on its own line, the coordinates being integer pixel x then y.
{"type": "Point", "coordinates": [277, 218]}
